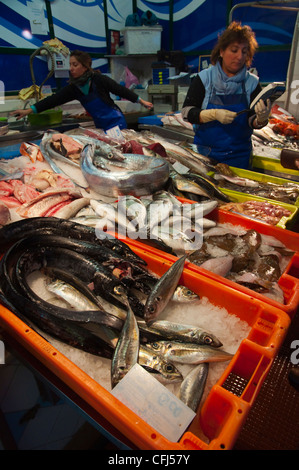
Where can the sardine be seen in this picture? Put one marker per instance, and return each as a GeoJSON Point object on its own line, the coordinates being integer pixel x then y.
{"type": "Point", "coordinates": [163, 290]}
{"type": "Point", "coordinates": [187, 353]}
{"type": "Point", "coordinates": [126, 352]}
{"type": "Point", "coordinates": [70, 294]}
{"type": "Point", "coordinates": [163, 329]}
{"type": "Point", "coordinates": [193, 385]}
{"type": "Point", "coordinates": [155, 364]}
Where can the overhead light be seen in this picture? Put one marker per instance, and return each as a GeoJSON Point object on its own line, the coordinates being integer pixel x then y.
{"type": "Point", "coordinates": [27, 34]}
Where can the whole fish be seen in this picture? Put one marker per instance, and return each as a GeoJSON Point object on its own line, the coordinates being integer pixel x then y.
{"type": "Point", "coordinates": [109, 213]}
{"type": "Point", "coordinates": [134, 209]}
{"type": "Point", "coordinates": [70, 294]}
{"type": "Point", "coordinates": [126, 352]}
{"type": "Point", "coordinates": [158, 212]}
{"type": "Point", "coordinates": [64, 279]}
{"type": "Point", "coordinates": [187, 353]}
{"type": "Point", "coordinates": [152, 176]}
{"type": "Point", "coordinates": [180, 153]}
{"type": "Point", "coordinates": [178, 241]}
{"type": "Point", "coordinates": [193, 385]}
{"type": "Point", "coordinates": [163, 329]}
{"type": "Point", "coordinates": [79, 301]}
{"type": "Point", "coordinates": [155, 364]}
{"type": "Point", "coordinates": [183, 184]}
{"type": "Point", "coordinates": [207, 185]}
{"type": "Point", "coordinates": [163, 290]}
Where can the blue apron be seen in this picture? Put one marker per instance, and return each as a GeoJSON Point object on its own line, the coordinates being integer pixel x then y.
{"type": "Point", "coordinates": [227, 143]}
{"type": "Point", "coordinates": [105, 117]}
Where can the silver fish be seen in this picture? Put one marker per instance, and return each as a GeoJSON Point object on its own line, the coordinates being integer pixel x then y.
{"type": "Point", "coordinates": [177, 240]}
{"type": "Point", "coordinates": [126, 352]}
{"type": "Point", "coordinates": [107, 151]}
{"type": "Point", "coordinates": [108, 213]}
{"type": "Point", "coordinates": [185, 185]}
{"type": "Point", "coordinates": [182, 155]}
{"type": "Point", "coordinates": [193, 385]}
{"type": "Point", "coordinates": [134, 209]}
{"type": "Point", "coordinates": [78, 301]}
{"type": "Point", "coordinates": [157, 212]}
{"type": "Point", "coordinates": [71, 295]}
{"type": "Point", "coordinates": [164, 329]}
{"type": "Point", "coordinates": [163, 290]}
{"type": "Point", "coordinates": [165, 369]}
{"type": "Point", "coordinates": [187, 353]}
{"type": "Point", "coordinates": [151, 177]}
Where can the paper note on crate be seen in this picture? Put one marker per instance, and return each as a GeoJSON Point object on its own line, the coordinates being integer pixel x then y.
{"type": "Point", "coordinates": [154, 403]}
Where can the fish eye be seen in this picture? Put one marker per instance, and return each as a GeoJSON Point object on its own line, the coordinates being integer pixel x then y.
{"type": "Point", "coordinates": [207, 340]}
{"type": "Point", "coordinates": [169, 368]}
{"type": "Point", "coordinates": [155, 345]}
{"type": "Point", "coordinates": [152, 308]}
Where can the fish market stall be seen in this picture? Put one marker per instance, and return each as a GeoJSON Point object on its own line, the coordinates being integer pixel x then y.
{"type": "Point", "coordinates": [80, 278]}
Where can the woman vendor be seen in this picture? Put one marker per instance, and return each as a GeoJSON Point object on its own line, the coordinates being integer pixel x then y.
{"type": "Point", "coordinates": [217, 94]}
{"type": "Point", "coordinates": [93, 90]}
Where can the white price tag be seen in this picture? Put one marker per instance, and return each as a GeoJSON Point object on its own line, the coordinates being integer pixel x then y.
{"type": "Point", "coordinates": [115, 133]}
{"type": "Point", "coordinates": [154, 403]}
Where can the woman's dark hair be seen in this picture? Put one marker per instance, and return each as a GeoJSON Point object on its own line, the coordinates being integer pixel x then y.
{"type": "Point", "coordinates": [82, 57]}
{"type": "Point", "coordinates": [235, 32]}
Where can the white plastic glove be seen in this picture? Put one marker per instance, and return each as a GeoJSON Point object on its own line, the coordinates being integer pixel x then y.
{"type": "Point", "coordinates": [222, 115]}
{"type": "Point", "coordinates": [262, 111]}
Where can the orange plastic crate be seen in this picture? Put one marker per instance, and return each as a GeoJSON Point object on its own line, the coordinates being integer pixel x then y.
{"type": "Point", "coordinates": [289, 280]}
{"type": "Point", "coordinates": [225, 409]}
